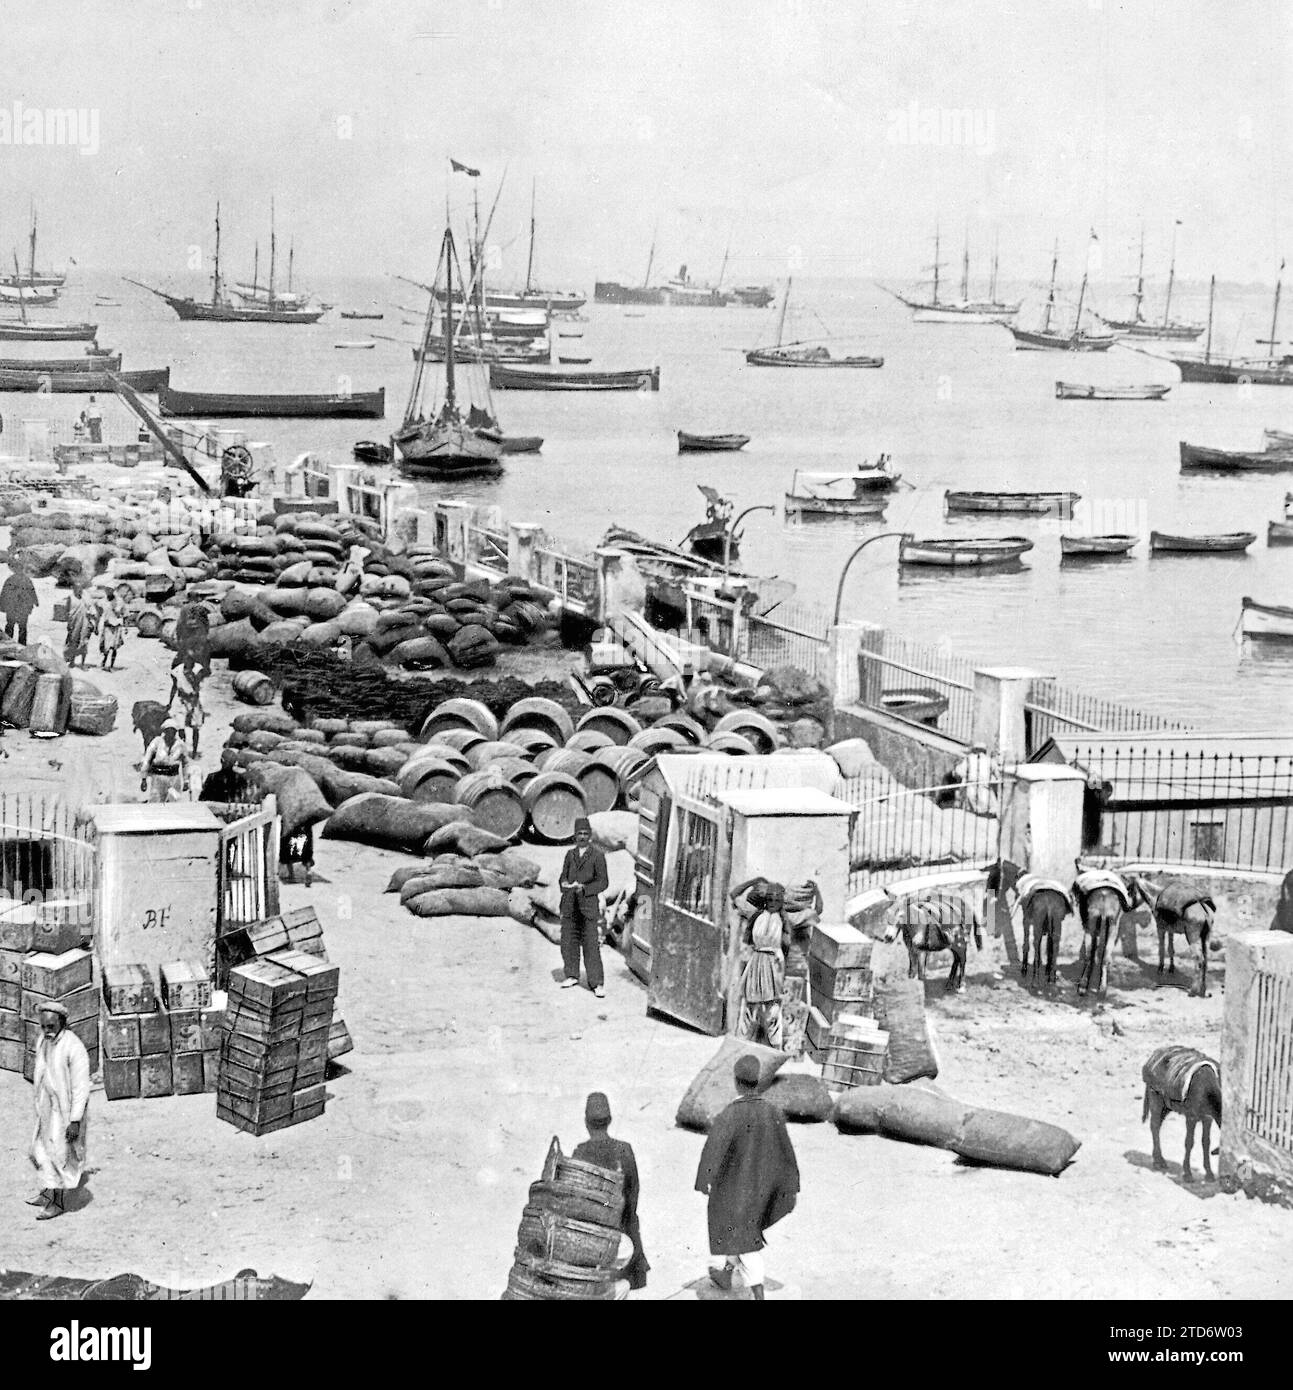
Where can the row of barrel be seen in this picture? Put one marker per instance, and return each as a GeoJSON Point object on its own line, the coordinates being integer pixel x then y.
{"type": "Point", "coordinates": [540, 767]}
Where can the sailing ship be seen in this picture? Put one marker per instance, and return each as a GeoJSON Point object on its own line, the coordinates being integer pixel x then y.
{"type": "Point", "coordinates": [1046, 338]}
{"type": "Point", "coordinates": [962, 310]}
{"type": "Point", "coordinates": [1230, 371]}
{"type": "Point", "coordinates": [222, 308]}
{"type": "Point", "coordinates": [256, 293]}
{"type": "Point", "coordinates": [444, 443]}
{"type": "Point", "coordinates": [34, 279]}
{"type": "Point", "coordinates": [1138, 326]}
{"type": "Point", "coordinates": [23, 330]}
{"type": "Point", "coordinates": [802, 354]}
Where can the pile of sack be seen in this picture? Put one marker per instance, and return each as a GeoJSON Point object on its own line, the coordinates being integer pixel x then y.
{"type": "Point", "coordinates": [38, 692]}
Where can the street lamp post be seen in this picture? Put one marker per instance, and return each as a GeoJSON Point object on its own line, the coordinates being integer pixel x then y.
{"type": "Point", "coordinates": [731, 532]}
{"type": "Point", "coordinates": [839, 592]}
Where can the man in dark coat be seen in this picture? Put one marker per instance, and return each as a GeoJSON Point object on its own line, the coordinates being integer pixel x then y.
{"type": "Point", "coordinates": [617, 1156]}
{"type": "Point", "coordinates": [17, 600]}
{"type": "Point", "coordinates": [583, 880]}
{"type": "Point", "coordinates": [749, 1173]}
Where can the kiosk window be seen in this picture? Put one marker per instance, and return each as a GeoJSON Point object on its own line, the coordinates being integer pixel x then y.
{"type": "Point", "coordinates": [693, 880]}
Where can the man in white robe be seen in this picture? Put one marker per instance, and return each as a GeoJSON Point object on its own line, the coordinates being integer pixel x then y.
{"type": "Point", "coordinates": [62, 1092]}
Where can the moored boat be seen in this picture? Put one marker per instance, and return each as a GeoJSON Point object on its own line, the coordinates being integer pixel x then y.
{"type": "Point", "coordinates": [522, 443]}
{"type": "Point", "coordinates": [1238, 371]}
{"type": "Point", "coordinates": [1279, 533]}
{"type": "Point", "coordinates": [358, 314]}
{"type": "Point", "coordinates": [1138, 326]}
{"type": "Point", "coordinates": [355, 405]}
{"type": "Point", "coordinates": [91, 362]}
{"type": "Point", "coordinates": [803, 355]}
{"type": "Point", "coordinates": [864, 492]}
{"type": "Point", "coordinates": [503, 377]}
{"type": "Point", "coordinates": [710, 443]}
{"type": "Point", "coordinates": [1073, 391]}
{"type": "Point", "coordinates": [1271, 459]}
{"type": "Point", "coordinates": [147, 380]}
{"type": "Point", "coordinates": [356, 344]}
{"type": "Point", "coordinates": [963, 553]}
{"type": "Point", "coordinates": [1046, 338]}
{"type": "Point", "coordinates": [1266, 620]}
{"type": "Point", "coordinates": [1023, 503]}
{"type": "Point", "coordinates": [1095, 547]}
{"type": "Point", "coordinates": [963, 310]}
{"type": "Point", "coordinates": [13, 331]}
{"type": "Point", "coordinates": [1229, 542]}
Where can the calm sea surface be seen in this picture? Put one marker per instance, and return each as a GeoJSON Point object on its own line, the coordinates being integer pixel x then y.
{"type": "Point", "coordinates": [955, 406]}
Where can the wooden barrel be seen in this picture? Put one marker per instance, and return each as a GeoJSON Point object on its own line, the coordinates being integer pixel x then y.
{"type": "Point", "coordinates": [149, 622]}
{"type": "Point", "coordinates": [659, 741]}
{"type": "Point", "coordinates": [480, 755]}
{"type": "Point", "coordinates": [438, 748]}
{"type": "Point", "coordinates": [460, 714]}
{"type": "Point", "coordinates": [517, 771]}
{"type": "Point", "coordinates": [580, 1203]}
{"type": "Point", "coordinates": [459, 739]}
{"type": "Point", "coordinates": [253, 688]}
{"type": "Point", "coordinates": [623, 763]}
{"type": "Point", "coordinates": [590, 740]}
{"type": "Point", "coordinates": [761, 731]}
{"type": "Point", "coordinates": [495, 804]}
{"type": "Point", "coordinates": [618, 725]}
{"type": "Point", "coordinates": [734, 744]}
{"type": "Point", "coordinates": [538, 713]}
{"type": "Point", "coordinates": [569, 760]}
{"type": "Point", "coordinates": [49, 705]}
{"type": "Point", "coordinates": [534, 1280]}
{"type": "Point", "coordinates": [684, 724]}
{"type": "Point", "coordinates": [578, 1173]}
{"type": "Point", "coordinates": [601, 787]}
{"type": "Point", "coordinates": [429, 779]}
{"type": "Point", "coordinates": [532, 740]}
{"type": "Point", "coordinates": [555, 800]}
{"type": "Point", "coordinates": [555, 1237]}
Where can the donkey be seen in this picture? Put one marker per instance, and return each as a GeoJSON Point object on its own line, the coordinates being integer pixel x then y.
{"type": "Point", "coordinates": [1044, 904]}
{"type": "Point", "coordinates": [1183, 1080]}
{"type": "Point", "coordinates": [1102, 897]}
{"type": "Point", "coordinates": [936, 924]}
{"type": "Point", "coordinates": [1179, 908]}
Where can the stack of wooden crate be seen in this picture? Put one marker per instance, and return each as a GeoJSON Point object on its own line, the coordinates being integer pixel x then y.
{"type": "Point", "coordinates": [28, 931]}
{"type": "Point", "coordinates": [839, 977]}
{"type": "Point", "coordinates": [275, 1045]}
{"type": "Point", "coordinates": [67, 978]}
{"type": "Point", "coordinates": [152, 1051]}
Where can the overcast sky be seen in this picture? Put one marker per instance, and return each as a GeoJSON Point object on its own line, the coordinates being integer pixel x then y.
{"type": "Point", "coordinates": [824, 137]}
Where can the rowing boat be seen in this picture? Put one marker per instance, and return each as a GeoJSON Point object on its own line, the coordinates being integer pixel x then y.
{"type": "Point", "coordinates": [1073, 391]}
{"type": "Point", "coordinates": [522, 443]}
{"type": "Point", "coordinates": [1225, 543]}
{"type": "Point", "coordinates": [148, 380]}
{"type": "Point", "coordinates": [861, 493]}
{"type": "Point", "coordinates": [1279, 533]}
{"type": "Point", "coordinates": [1023, 503]}
{"type": "Point", "coordinates": [506, 378]}
{"type": "Point", "coordinates": [355, 405]}
{"type": "Point", "coordinates": [963, 553]}
{"type": "Point", "coordinates": [1095, 547]}
{"type": "Point", "coordinates": [97, 362]}
{"type": "Point", "coordinates": [14, 332]}
{"type": "Point", "coordinates": [710, 443]}
{"type": "Point", "coordinates": [1267, 620]}
{"type": "Point", "coordinates": [1271, 459]}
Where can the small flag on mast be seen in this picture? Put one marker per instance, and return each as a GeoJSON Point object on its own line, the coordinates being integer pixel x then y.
{"type": "Point", "coordinates": [464, 169]}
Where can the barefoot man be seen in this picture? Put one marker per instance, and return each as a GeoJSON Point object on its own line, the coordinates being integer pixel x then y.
{"type": "Point", "coordinates": [62, 1092]}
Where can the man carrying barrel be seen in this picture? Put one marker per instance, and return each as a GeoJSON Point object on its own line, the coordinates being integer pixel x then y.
{"type": "Point", "coordinates": [748, 1171]}
{"type": "Point", "coordinates": [618, 1157]}
{"type": "Point", "coordinates": [583, 880]}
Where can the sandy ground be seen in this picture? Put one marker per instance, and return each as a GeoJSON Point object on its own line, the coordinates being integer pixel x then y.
{"type": "Point", "coordinates": [468, 1059]}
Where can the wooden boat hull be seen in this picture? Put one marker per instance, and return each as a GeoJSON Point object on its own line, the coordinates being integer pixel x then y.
{"type": "Point", "coordinates": [148, 381]}
{"type": "Point", "coordinates": [1279, 533]}
{"type": "Point", "coordinates": [609, 292]}
{"type": "Point", "coordinates": [522, 443]}
{"type": "Point", "coordinates": [1095, 547]}
{"type": "Point", "coordinates": [945, 313]}
{"type": "Point", "coordinates": [350, 314]}
{"type": "Point", "coordinates": [505, 378]}
{"type": "Point", "coordinates": [48, 332]}
{"type": "Point", "coordinates": [964, 554]}
{"type": "Point", "coordinates": [1072, 391]}
{"type": "Point", "coordinates": [1018, 503]}
{"type": "Point", "coordinates": [1161, 542]}
{"type": "Point", "coordinates": [797, 505]}
{"type": "Point", "coordinates": [1220, 373]}
{"type": "Point", "coordinates": [770, 357]}
{"type": "Point", "coordinates": [193, 311]}
{"type": "Point", "coordinates": [710, 443]}
{"type": "Point", "coordinates": [446, 451]}
{"type": "Point", "coordinates": [553, 302]}
{"type": "Point", "coordinates": [1269, 460]}
{"type": "Point", "coordinates": [1062, 342]}
{"type": "Point", "coordinates": [1180, 332]}
{"type": "Point", "coordinates": [15, 293]}
{"type": "Point", "coordinates": [193, 405]}
{"type": "Point", "coordinates": [89, 363]}
{"type": "Point", "coordinates": [1266, 620]}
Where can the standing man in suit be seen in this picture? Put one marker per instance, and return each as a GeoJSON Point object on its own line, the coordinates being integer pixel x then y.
{"type": "Point", "coordinates": [583, 881]}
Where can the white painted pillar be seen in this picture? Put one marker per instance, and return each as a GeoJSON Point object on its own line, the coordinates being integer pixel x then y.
{"type": "Point", "coordinates": [522, 542]}
{"type": "Point", "coordinates": [1041, 818]}
{"type": "Point", "coordinates": [458, 516]}
{"type": "Point", "coordinates": [999, 695]}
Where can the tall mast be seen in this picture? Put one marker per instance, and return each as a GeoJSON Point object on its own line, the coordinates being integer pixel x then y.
{"type": "Point", "coordinates": [1275, 310]}
{"type": "Point", "coordinates": [723, 271]}
{"type": "Point", "coordinates": [272, 249]}
{"type": "Point", "coordinates": [255, 270]}
{"type": "Point", "coordinates": [992, 288]}
{"type": "Point", "coordinates": [215, 279]}
{"type": "Point", "coordinates": [646, 279]}
{"type": "Point", "coordinates": [965, 267]}
{"type": "Point", "coordinates": [1171, 276]}
{"type": "Point", "coordinates": [1140, 279]}
{"type": "Point", "coordinates": [781, 322]}
{"type": "Point", "coordinates": [22, 303]}
{"type": "Point", "coordinates": [1050, 298]}
{"type": "Point", "coordinates": [31, 265]}
{"type": "Point", "coordinates": [936, 265]}
{"type": "Point", "coordinates": [1212, 294]}
{"type": "Point", "coordinates": [291, 256]}
{"type": "Point", "coordinates": [529, 264]}
{"type": "Point", "coordinates": [1077, 322]}
{"type": "Point", "coordinates": [449, 397]}
{"type": "Point", "coordinates": [478, 270]}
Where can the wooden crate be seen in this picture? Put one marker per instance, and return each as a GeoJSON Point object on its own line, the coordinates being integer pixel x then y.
{"type": "Point", "coordinates": [12, 1053]}
{"type": "Point", "coordinates": [15, 934]}
{"type": "Point", "coordinates": [186, 1030]}
{"type": "Point", "coordinates": [129, 989]}
{"type": "Point", "coordinates": [266, 984]}
{"type": "Point", "coordinates": [10, 1025]}
{"type": "Point", "coordinates": [840, 983]}
{"type": "Point", "coordinates": [258, 1027]}
{"type": "Point", "coordinates": [84, 1003]}
{"type": "Point", "coordinates": [155, 1077]}
{"type": "Point", "coordinates": [259, 1111]}
{"type": "Point", "coordinates": [10, 995]}
{"type": "Point", "coordinates": [269, 935]}
{"type": "Point", "coordinates": [339, 1039]}
{"type": "Point", "coordinates": [840, 945]}
{"type": "Point", "coordinates": [212, 1029]}
{"type": "Point", "coordinates": [120, 1036]}
{"type": "Point", "coordinates": [121, 1078]}
{"type": "Point", "coordinates": [305, 931]}
{"type": "Point", "coordinates": [321, 979]}
{"type": "Point", "coordinates": [54, 934]}
{"type": "Point", "coordinates": [28, 1064]}
{"type": "Point", "coordinates": [185, 985]}
{"type": "Point", "coordinates": [211, 1070]}
{"type": "Point", "coordinates": [87, 1029]}
{"type": "Point", "coordinates": [57, 975]}
{"type": "Point", "coordinates": [854, 1054]}
{"type": "Point", "coordinates": [11, 965]}
{"type": "Point", "coordinates": [154, 1035]}
{"type": "Point", "coordinates": [186, 1072]}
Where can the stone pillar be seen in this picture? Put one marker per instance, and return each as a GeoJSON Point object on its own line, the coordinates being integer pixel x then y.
{"type": "Point", "coordinates": [522, 542]}
{"type": "Point", "coordinates": [999, 695]}
{"type": "Point", "coordinates": [1255, 1067]}
{"type": "Point", "coordinates": [398, 519]}
{"type": "Point", "coordinates": [619, 584]}
{"type": "Point", "coordinates": [340, 477]}
{"type": "Point", "coordinates": [844, 665]}
{"type": "Point", "coordinates": [458, 517]}
{"type": "Point", "coordinates": [1041, 818]}
{"type": "Point", "coordinates": [870, 674]}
